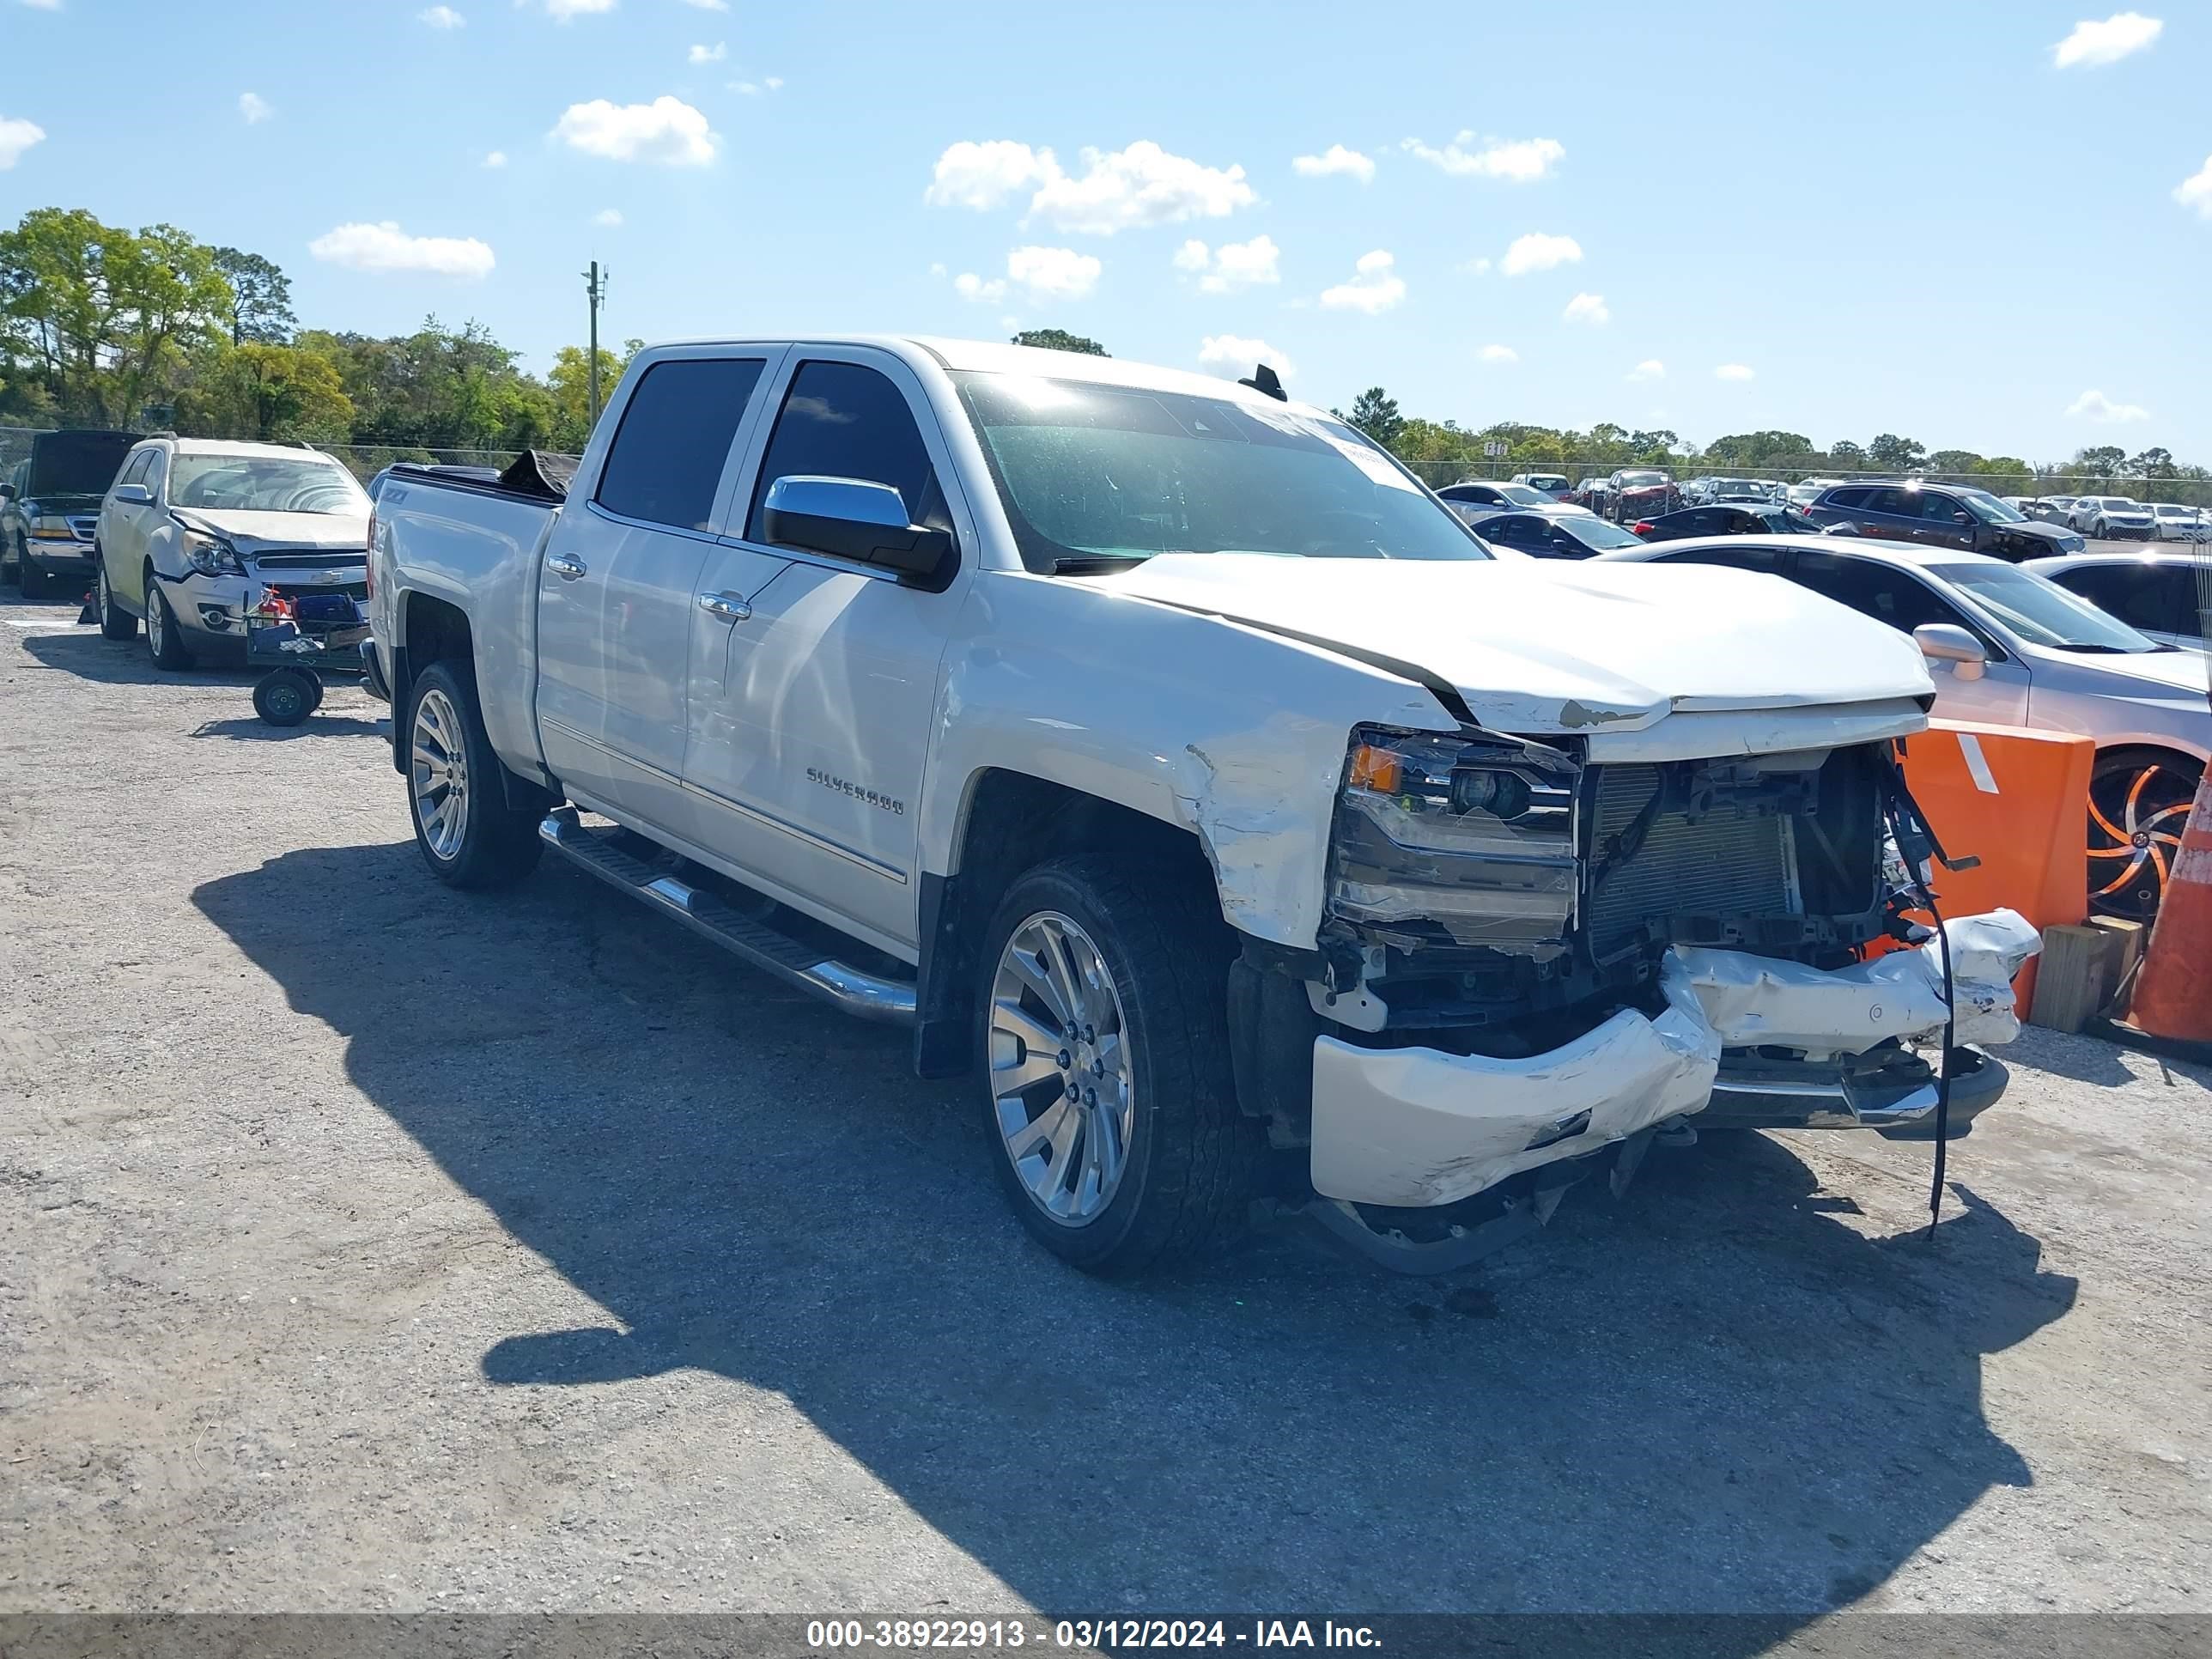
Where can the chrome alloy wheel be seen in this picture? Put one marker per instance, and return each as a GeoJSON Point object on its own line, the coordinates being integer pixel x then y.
{"type": "Point", "coordinates": [2136, 813]}
{"type": "Point", "coordinates": [157, 623]}
{"type": "Point", "coordinates": [438, 772]}
{"type": "Point", "coordinates": [1060, 1071]}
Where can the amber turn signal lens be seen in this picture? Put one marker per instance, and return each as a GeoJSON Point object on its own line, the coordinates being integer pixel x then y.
{"type": "Point", "coordinates": [1376, 770]}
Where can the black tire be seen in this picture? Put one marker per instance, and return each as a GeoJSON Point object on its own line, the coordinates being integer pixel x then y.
{"type": "Point", "coordinates": [115, 623]}
{"type": "Point", "coordinates": [496, 844]}
{"type": "Point", "coordinates": [162, 644]}
{"type": "Point", "coordinates": [314, 690]}
{"type": "Point", "coordinates": [284, 696]}
{"type": "Point", "coordinates": [33, 582]}
{"type": "Point", "coordinates": [2139, 799]}
{"type": "Point", "coordinates": [1192, 1161]}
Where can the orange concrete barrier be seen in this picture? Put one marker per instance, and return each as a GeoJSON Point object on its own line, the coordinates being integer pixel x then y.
{"type": "Point", "coordinates": [2173, 988]}
{"type": "Point", "coordinates": [2019, 801]}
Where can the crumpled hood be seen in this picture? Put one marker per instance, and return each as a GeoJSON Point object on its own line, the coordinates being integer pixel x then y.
{"type": "Point", "coordinates": [1537, 646]}
{"type": "Point", "coordinates": [2035, 530]}
{"type": "Point", "coordinates": [251, 532]}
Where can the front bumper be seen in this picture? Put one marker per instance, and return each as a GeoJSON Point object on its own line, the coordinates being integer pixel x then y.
{"type": "Point", "coordinates": [209, 607]}
{"type": "Point", "coordinates": [1412, 1127]}
{"type": "Point", "coordinates": [69, 558]}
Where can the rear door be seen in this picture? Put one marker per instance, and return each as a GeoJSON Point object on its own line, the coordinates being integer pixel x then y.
{"type": "Point", "coordinates": [615, 582]}
{"type": "Point", "coordinates": [814, 684]}
{"type": "Point", "coordinates": [123, 530]}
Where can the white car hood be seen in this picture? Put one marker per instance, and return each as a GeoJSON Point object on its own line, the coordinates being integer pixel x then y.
{"type": "Point", "coordinates": [250, 532]}
{"type": "Point", "coordinates": [1555, 647]}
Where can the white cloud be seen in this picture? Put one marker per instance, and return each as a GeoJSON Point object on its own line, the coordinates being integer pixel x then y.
{"type": "Point", "coordinates": [1650, 369]}
{"type": "Point", "coordinates": [607, 217]}
{"type": "Point", "coordinates": [714, 54]}
{"type": "Point", "coordinates": [564, 9]}
{"type": "Point", "coordinates": [708, 5]}
{"type": "Point", "coordinates": [1142, 185]}
{"type": "Point", "coordinates": [2196, 190]}
{"type": "Point", "coordinates": [495, 158]}
{"type": "Point", "coordinates": [1041, 274]}
{"type": "Point", "coordinates": [1520, 160]}
{"type": "Point", "coordinates": [1231, 266]}
{"type": "Point", "coordinates": [667, 131]}
{"type": "Point", "coordinates": [16, 135]}
{"type": "Point", "coordinates": [1238, 354]}
{"type": "Point", "coordinates": [442, 17]}
{"type": "Point", "coordinates": [1735, 372]}
{"type": "Point", "coordinates": [2094, 45]}
{"type": "Point", "coordinates": [1476, 267]}
{"type": "Point", "coordinates": [985, 175]}
{"type": "Point", "coordinates": [1054, 273]}
{"type": "Point", "coordinates": [1586, 308]}
{"type": "Point", "coordinates": [2096, 406]}
{"type": "Point", "coordinates": [773, 84]}
{"type": "Point", "coordinates": [254, 107]}
{"type": "Point", "coordinates": [1335, 159]}
{"type": "Point", "coordinates": [385, 247]}
{"type": "Point", "coordinates": [1376, 287]}
{"type": "Point", "coordinates": [1537, 252]}
{"type": "Point", "coordinates": [1498, 354]}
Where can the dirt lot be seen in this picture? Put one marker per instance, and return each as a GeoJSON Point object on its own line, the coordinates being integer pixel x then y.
{"type": "Point", "coordinates": [363, 1246]}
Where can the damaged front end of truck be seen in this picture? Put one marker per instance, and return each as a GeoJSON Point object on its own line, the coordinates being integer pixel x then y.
{"type": "Point", "coordinates": [1532, 965]}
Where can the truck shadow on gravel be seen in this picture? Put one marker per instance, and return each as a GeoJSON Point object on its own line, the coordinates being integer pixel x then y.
{"type": "Point", "coordinates": [1718, 1394]}
{"type": "Point", "coordinates": [90, 655]}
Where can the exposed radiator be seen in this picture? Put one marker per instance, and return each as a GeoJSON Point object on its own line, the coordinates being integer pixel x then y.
{"type": "Point", "coordinates": [1725, 863]}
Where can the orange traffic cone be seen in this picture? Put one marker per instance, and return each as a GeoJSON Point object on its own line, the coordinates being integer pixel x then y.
{"type": "Point", "coordinates": [2173, 1004]}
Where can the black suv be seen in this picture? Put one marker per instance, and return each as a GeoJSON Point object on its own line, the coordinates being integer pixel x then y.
{"type": "Point", "coordinates": [1941, 515]}
{"type": "Point", "coordinates": [50, 507]}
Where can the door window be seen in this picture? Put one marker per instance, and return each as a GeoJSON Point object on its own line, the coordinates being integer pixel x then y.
{"type": "Point", "coordinates": [1767, 559]}
{"type": "Point", "coordinates": [136, 472]}
{"type": "Point", "coordinates": [1894, 503]}
{"type": "Point", "coordinates": [2158, 597]}
{"type": "Point", "coordinates": [1886, 592]}
{"type": "Point", "coordinates": [846, 421]}
{"type": "Point", "coordinates": [1527, 534]}
{"type": "Point", "coordinates": [665, 464]}
{"type": "Point", "coordinates": [1939, 509]}
{"type": "Point", "coordinates": [1855, 498]}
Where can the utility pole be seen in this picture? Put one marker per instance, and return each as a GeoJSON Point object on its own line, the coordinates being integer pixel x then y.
{"type": "Point", "coordinates": [595, 286]}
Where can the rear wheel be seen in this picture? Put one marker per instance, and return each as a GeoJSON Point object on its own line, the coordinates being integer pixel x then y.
{"type": "Point", "coordinates": [162, 644]}
{"type": "Point", "coordinates": [285, 696]}
{"type": "Point", "coordinates": [2139, 799]}
{"type": "Point", "coordinates": [1108, 1100]}
{"type": "Point", "coordinates": [115, 623]}
{"type": "Point", "coordinates": [466, 832]}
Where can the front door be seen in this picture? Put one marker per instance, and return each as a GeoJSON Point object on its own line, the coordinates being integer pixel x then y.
{"type": "Point", "coordinates": [615, 581]}
{"type": "Point", "coordinates": [807, 749]}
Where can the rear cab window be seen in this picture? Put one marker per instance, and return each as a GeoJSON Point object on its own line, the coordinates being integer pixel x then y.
{"type": "Point", "coordinates": [665, 464]}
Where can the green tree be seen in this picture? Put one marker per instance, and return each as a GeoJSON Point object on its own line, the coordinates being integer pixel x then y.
{"type": "Point", "coordinates": [1059, 339]}
{"type": "Point", "coordinates": [1954, 460]}
{"type": "Point", "coordinates": [1891, 453]}
{"type": "Point", "coordinates": [2105, 461]}
{"type": "Point", "coordinates": [1846, 456]}
{"type": "Point", "coordinates": [1375, 412]}
{"type": "Point", "coordinates": [2151, 463]}
{"type": "Point", "coordinates": [570, 385]}
{"type": "Point", "coordinates": [268, 393]}
{"type": "Point", "coordinates": [260, 297]}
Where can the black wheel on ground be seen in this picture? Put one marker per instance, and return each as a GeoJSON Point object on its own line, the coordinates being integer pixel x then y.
{"type": "Point", "coordinates": [11, 568]}
{"type": "Point", "coordinates": [283, 696]}
{"type": "Point", "coordinates": [162, 643]}
{"type": "Point", "coordinates": [1109, 1104]}
{"type": "Point", "coordinates": [315, 688]}
{"type": "Point", "coordinates": [33, 580]}
{"type": "Point", "coordinates": [2139, 799]}
{"type": "Point", "coordinates": [456, 788]}
{"type": "Point", "coordinates": [115, 623]}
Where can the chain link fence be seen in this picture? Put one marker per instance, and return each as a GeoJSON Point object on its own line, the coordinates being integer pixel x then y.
{"type": "Point", "coordinates": [365, 461]}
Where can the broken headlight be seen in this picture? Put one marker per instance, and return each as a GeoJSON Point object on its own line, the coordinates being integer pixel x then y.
{"type": "Point", "coordinates": [1475, 835]}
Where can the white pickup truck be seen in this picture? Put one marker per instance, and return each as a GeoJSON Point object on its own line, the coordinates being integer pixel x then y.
{"type": "Point", "coordinates": [1177, 767]}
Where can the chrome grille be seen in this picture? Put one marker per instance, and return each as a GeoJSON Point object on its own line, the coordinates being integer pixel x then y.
{"type": "Point", "coordinates": [84, 526]}
{"type": "Point", "coordinates": [1726, 863]}
{"type": "Point", "coordinates": [337, 559]}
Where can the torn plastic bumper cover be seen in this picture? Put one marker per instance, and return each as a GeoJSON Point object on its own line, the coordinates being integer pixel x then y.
{"type": "Point", "coordinates": [1417, 1128]}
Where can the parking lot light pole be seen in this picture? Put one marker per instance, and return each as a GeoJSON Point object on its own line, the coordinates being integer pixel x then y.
{"type": "Point", "coordinates": [595, 287]}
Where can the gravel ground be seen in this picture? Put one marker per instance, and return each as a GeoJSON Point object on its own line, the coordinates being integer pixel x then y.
{"type": "Point", "coordinates": [364, 1246]}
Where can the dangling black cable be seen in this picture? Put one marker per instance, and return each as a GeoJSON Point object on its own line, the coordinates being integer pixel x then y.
{"type": "Point", "coordinates": [1916, 847]}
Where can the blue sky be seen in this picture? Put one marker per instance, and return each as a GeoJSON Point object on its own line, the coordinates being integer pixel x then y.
{"type": "Point", "coordinates": [1900, 217]}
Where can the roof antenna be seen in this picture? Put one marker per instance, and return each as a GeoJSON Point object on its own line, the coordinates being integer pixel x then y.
{"type": "Point", "coordinates": [1264, 379]}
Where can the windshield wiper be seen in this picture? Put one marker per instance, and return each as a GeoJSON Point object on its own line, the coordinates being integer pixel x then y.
{"type": "Point", "coordinates": [1096, 564]}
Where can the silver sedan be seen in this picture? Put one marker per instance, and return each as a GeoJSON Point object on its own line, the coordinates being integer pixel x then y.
{"type": "Point", "coordinates": [2007, 646]}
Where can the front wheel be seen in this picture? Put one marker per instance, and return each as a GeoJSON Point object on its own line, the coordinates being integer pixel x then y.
{"type": "Point", "coordinates": [32, 579]}
{"type": "Point", "coordinates": [285, 696]}
{"type": "Point", "coordinates": [2100, 530]}
{"type": "Point", "coordinates": [2139, 799]}
{"type": "Point", "coordinates": [115, 623]}
{"type": "Point", "coordinates": [162, 644]}
{"type": "Point", "coordinates": [466, 832]}
{"type": "Point", "coordinates": [1109, 1102]}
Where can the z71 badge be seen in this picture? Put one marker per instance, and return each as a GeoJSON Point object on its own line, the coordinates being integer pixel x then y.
{"type": "Point", "coordinates": [845, 787]}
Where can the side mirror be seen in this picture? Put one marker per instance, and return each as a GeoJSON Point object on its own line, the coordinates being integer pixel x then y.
{"type": "Point", "coordinates": [1948, 642]}
{"type": "Point", "coordinates": [854, 519]}
{"type": "Point", "coordinates": [1962, 518]}
{"type": "Point", "coordinates": [131, 495]}
{"type": "Point", "coordinates": [7, 492]}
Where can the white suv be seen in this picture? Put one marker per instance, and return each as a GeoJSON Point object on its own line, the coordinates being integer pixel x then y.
{"type": "Point", "coordinates": [192, 529]}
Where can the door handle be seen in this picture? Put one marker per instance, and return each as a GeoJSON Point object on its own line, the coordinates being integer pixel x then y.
{"type": "Point", "coordinates": [725, 607]}
{"type": "Point", "coordinates": [566, 566]}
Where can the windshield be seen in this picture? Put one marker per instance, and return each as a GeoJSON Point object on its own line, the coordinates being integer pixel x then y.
{"type": "Point", "coordinates": [1522, 496]}
{"type": "Point", "coordinates": [263, 483]}
{"type": "Point", "coordinates": [1637, 480]}
{"type": "Point", "coordinates": [1739, 487]}
{"type": "Point", "coordinates": [2042, 612]}
{"type": "Point", "coordinates": [1088, 472]}
{"type": "Point", "coordinates": [1547, 481]}
{"type": "Point", "coordinates": [1596, 534]}
{"type": "Point", "coordinates": [1988, 510]}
